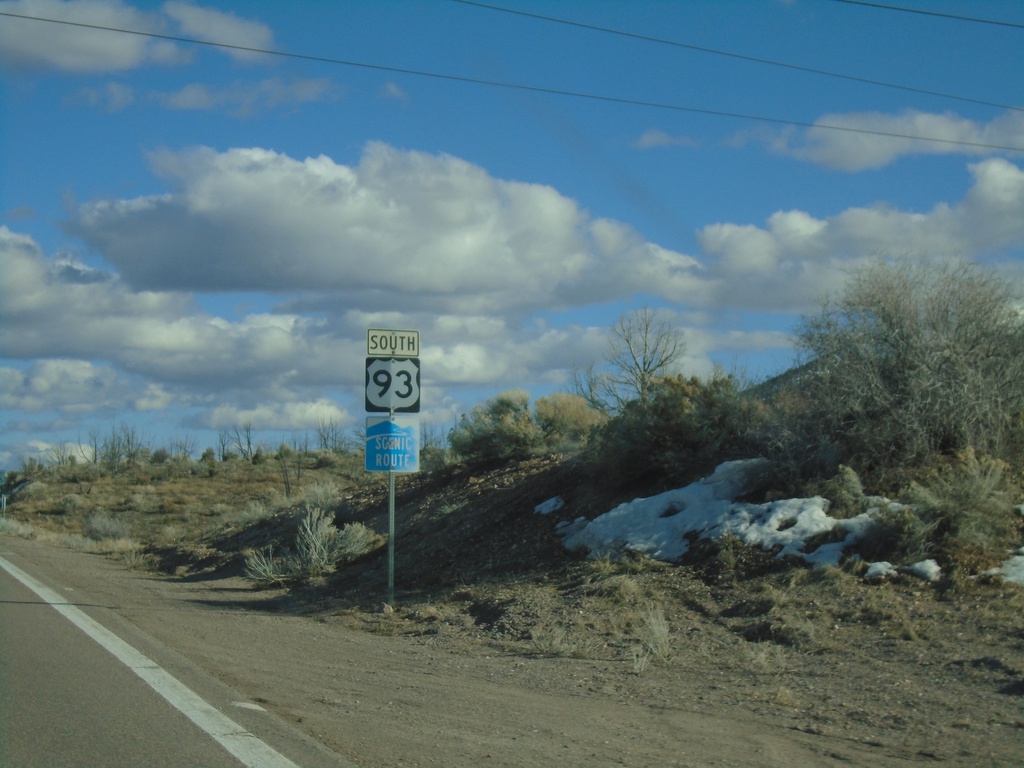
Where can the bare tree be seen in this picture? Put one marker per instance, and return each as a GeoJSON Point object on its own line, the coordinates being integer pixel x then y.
{"type": "Point", "coordinates": [95, 443]}
{"type": "Point", "coordinates": [61, 455]}
{"type": "Point", "coordinates": [134, 447]}
{"type": "Point", "coordinates": [184, 445]}
{"type": "Point", "coordinates": [644, 346]}
{"type": "Point", "coordinates": [123, 446]}
{"type": "Point", "coordinates": [300, 445]}
{"type": "Point", "coordinates": [330, 435]}
{"type": "Point", "coordinates": [243, 440]}
{"type": "Point", "coordinates": [224, 444]}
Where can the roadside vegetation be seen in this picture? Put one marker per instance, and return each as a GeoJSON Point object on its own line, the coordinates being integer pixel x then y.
{"type": "Point", "coordinates": [910, 387]}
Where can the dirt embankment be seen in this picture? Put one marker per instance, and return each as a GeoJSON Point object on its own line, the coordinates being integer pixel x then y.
{"type": "Point", "coordinates": [503, 650]}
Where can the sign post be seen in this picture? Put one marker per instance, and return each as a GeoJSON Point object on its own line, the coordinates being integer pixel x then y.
{"type": "Point", "coordinates": [392, 442]}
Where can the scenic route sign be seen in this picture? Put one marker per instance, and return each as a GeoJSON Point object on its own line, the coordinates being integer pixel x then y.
{"type": "Point", "coordinates": [393, 384]}
{"type": "Point", "coordinates": [392, 444]}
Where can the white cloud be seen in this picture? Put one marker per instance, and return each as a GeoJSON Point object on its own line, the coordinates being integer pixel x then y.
{"type": "Point", "coordinates": [157, 350]}
{"type": "Point", "coordinates": [69, 47]}
{"type": "Point", "coordinates": [430, 231]}
{"type": "Point", "coordinates": [113, 97]}
{"type": "Point", "coordinates": [245, 99]}
{"type": "Point", "coordinates": [277, 416]}
{"type": "Point", "coordinates": [220, 27]}
{"type": "Point", "coordinates": [406, 240]}
{"type": "Point", "coordinates": [796, 258]}
{"type": "Point", "coordinates": [653, 138]}
{"type": "Point", "coordinates": [50, 311]}
{"type": "Point", "coordinates": [67, 386]}
{"type": "Point", "coordinates": [44, 45]}
{"type": "Point", "coordinates": [875, 139]}
{"type": "Point", "coordinates": [393, 91]}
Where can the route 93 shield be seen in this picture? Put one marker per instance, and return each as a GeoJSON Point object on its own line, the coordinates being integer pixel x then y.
{"type": "Point", "coordinates": [392, 384]}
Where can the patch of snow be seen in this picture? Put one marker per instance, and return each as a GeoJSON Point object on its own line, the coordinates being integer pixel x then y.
{"type": "Point", "coordinates": [549, 506]}
{"type": "Point", "coordinates": [1012, 570]}
{"type": "Point", "coordinates": [880, 570]}
{"type": "Point", "coordinates": [926, 569]}
{"type": "Point", "coordinates": [657, 526]}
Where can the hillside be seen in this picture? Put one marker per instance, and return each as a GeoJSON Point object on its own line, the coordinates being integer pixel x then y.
{"type": "Point", "coordinates": [905, 669]}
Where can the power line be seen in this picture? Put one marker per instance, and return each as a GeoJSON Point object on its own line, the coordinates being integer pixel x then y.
{"type": "Point", "coordinates": [923, 12]}
{"type": "Point", "coordinates": [740, 56]}
{"type": "Point", "coordinates": [520, 86]}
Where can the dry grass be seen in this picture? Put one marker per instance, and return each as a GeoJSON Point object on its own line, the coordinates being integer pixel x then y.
{"type": "Point", "coordinates": [12, 527]}
{"type": "Point", "coordinates": [100, 526]}
{"type": "Point", "coordinates": [654, 633]}
{"type": "Point", "coordinates": [558, 641]}
{"type": "Point", "coordinates": [619, 588]}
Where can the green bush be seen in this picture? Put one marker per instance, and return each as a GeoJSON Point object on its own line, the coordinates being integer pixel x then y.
{"type": "Point", "coordinates": [958, 511]}
{"type": "Point", "coordinates": [566, 421]}
{"type": "Point", "coordinates": [967, 506]}
{"type": "Point", "coordinates": [684, 429]}
{"type": "Point", "coordinates": [898, 535]}
{"type": "Point", "coordinates": [501, 429]}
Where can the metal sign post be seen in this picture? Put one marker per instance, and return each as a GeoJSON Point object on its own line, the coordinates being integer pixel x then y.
{"type": "Point", "coordinates": [392, 442]}
{"type": "Point", "coordinates": [391, 537]}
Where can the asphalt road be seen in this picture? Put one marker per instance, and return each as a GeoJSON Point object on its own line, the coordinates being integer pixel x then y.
{"type": "Point", "coordinates": [75, 693]}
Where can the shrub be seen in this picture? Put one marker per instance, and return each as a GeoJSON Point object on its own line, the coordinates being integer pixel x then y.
{"type": "Point", "coordinates": [8, 525]}
{"type": "Point", "coordinates": [967, 507]}
{"type": "Point", "coordinates": [684, 429]}
{"type": "Point", "coordinates": [844, 492]}
{"type": "Point", "coordinates": [898, 534]}
{"type": "Point", "coordinates": [654, 632]}
{"type": "Point", "coordinates": [99, 526]}
{"type": "Point", "coordinates": [915, 360]}
{"type": "Point", "coordinates": [319, 547]}
{"type": "Point", "coordinates": [314, 545]}
{"type": "Point", "coordinates": [326, 459]}
{"type": "Point", "coordinates": [255, 510]}
{"type": "Point", "coordinates": [566, 421]}
{"type": "Point", "coordinates": [322, 494]}
{"type": "Point", "coordinates": [263, 569]}
{"type": "Point", "coordinates": [499, 430]}
{"type": "Point", "coordinates": [72, 503]}
{"type": "Point", "coordinates": [355, 540]}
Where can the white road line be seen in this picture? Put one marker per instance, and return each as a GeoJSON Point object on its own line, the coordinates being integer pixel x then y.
{"type": "Point", "coordinates": [244, 746]}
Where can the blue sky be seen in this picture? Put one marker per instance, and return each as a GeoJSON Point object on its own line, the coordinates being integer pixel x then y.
{"type": "Point", "coordinates": [194, 237]}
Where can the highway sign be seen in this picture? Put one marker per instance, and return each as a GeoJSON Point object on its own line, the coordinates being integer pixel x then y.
{"type": "Point", "coordinates": [383, 342]}
{"type": "Point", "coordinates": [393, 384]}
{"type": "Point", "coordinates": [393, 444]}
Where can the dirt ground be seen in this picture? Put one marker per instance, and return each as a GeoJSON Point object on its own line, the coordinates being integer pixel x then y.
{"type": "Point", "coordinates": [502, 649]}
{"type": "Point", "coordinates": [398, 689]}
